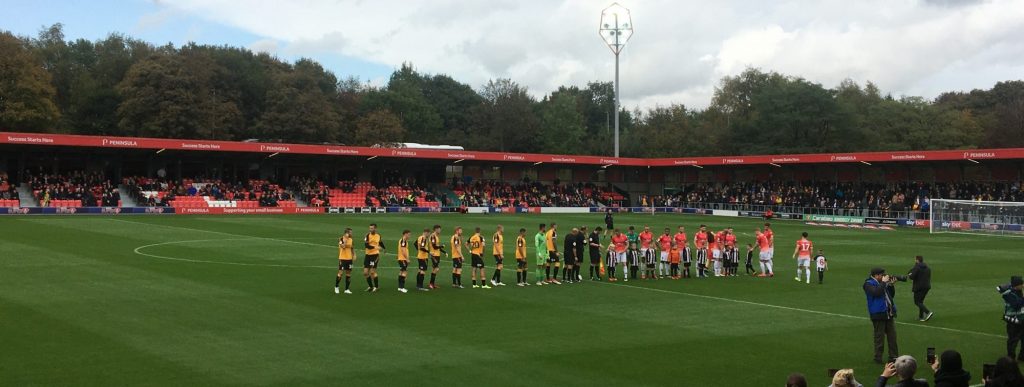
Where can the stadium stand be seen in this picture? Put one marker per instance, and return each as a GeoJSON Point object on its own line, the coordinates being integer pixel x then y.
{"type": "Point", "coordinates": [528, 194]}
{"type": "Point", "coordinates": [190, 193]}
{"type": "Point", "coordinates": [8, 192]}
{"type": "Point", "coordinates": [364, 194]}
{"type": "Point", "coordinates": [874, 197]}
{"type": "Point", "coordinates": [73, 190]}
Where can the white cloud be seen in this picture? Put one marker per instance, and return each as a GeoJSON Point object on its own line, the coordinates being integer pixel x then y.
{"type": "Point", "coordinates": [678, 53]}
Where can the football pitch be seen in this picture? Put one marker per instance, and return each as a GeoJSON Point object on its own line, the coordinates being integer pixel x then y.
{"type": "Point", "coordinates": [249, 300]}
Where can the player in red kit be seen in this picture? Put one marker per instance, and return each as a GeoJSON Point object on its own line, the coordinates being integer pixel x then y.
{"type": "Point", "coordinates": [684, 250]}
{"type": "Point", "coordinates": [700, 240]}
{"type": "Point", "coordinates": [665, 242]}
{"type": "Point", "coordinates": [646, 250]}
{"type": "Point", "coordinates": [765, 253]}
{"type": "Point", "coordinates": [802, 254]}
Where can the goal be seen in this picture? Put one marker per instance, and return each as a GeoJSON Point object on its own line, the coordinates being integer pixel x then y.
{"type": "Point", "coordinates": [976, 217]}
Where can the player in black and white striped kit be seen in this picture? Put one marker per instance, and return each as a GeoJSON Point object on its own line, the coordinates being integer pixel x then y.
{"type": "Point", "coordinates": [702, 262]}
{"type": "Point", "coordinates": [734, 261]}
{"type": "Point", "coordinates": [650, 260]}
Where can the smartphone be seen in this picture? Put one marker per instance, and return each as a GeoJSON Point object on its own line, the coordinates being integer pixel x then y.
{"type": "Point", "coordinates": [986, 371]}
{"type": "Point", "coordinates": [931, 355]}
{"type": "Point", "coordinates": [832, 372]}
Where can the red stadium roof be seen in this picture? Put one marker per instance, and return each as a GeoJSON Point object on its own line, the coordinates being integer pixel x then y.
{"type": "Point", "coordinates": [337, 150]}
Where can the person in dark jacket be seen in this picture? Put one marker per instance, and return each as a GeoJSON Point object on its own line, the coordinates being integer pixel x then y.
{"type": "Point", "coordinates": [1013, 314]}
{"type": "Point", "coordinates": [921, 275]}
{"type": "Point", "coordinates": [882, 309]}
{"type": "Point", "coordinates": [949, 370]}
{"type": "Point", "coordinates": [1005, 374]}
{"type": "Point", "coordinates": [903, 367]}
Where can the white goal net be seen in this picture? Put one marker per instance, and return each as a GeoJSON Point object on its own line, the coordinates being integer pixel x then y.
{"type": "Point", "coordinates": [968, 216]}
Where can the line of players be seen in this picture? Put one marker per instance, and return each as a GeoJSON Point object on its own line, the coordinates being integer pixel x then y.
{"type": "Point", "coordinates": [634, 253]}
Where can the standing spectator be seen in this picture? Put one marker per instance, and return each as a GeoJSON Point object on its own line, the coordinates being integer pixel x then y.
{"type": "Point", "coordinates": [882, 309]}
{"type": "Point", "coordinates": [921, 275]}
{"type": "Point", "coordinates": [949, 370]}
{"type": "Point", "coordinates": [1005, 374]}
{"type": "Point", "coordinates": [1013, 314]}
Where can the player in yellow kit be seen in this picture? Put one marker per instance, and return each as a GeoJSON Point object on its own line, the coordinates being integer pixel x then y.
{"type": "Point", "coordinates": [403, 260]}
{"type": "Point", "coordinates": [521, 259]}
{"type": "Point", "coordinates": [422, 254]}
{"type": "Point", "coordinates": [551, 246]}
{"type": "Point", "coordinates": [344, 261]}
{"type": "Point", "coordinates": [456, 242]}
{"type": "Point", "coordinates": [436, 247]}
{"type": "Point", "coordinates": [498, 249]}
{"type": "Point", "coordinates": [476, 254]}
{"type": "Point", "coordinates": [373, 245]}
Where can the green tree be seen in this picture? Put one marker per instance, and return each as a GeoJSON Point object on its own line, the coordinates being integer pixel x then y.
{"type": "Point", "coordinates": [301, 106]}
{"type": "Point", "coordinates": [506, 120]}
{"type": "Point", "coordinates": [378, 127]}
{"type": "Point", "coordinates": [562, 128]}
{"type": "Point", "coordinates": [26, 92]}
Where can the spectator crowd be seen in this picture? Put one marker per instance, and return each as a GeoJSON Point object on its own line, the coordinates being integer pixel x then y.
{"type": "Point", "coordinates": [525, 194]}
{"type": "Point", "coordinates": [877, 197]}
{"type": "Point", "coordinates": [88, 189]}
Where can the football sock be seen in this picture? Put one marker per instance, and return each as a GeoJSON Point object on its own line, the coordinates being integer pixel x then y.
{"type": "Point", "coordinates": [419, 280]}
{"type": "Point", "coordinates": [808, 275]}
{"type": "Point", "coordinates": [556, 272]}
{"type": "Point", "coordinates": [348, 281]}
{"type": "Point", "coordinates": [376, 282]}
{"type": "Point", "coordinates": [547, 272]}
{"type": "Point", "coordinates": [401, 281]}
{"type": "Point", "coordinates": [821, 276]}
{"type": "Point", "coordinates": [454, 281]}
{"type": "Point", "coordinates": [497, 276]}
{"type": "Point", "coordinates": [369, 282]}
{"type": "Point", "coordinates": [337, 280]}
{"type": "Point", "coordinates": [474, 280]}
{"type": "Point", "coordinates": [433, 276]}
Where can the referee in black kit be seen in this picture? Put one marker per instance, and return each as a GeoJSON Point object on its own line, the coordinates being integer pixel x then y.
{"type": "Point", "coordinates": [609, 223]}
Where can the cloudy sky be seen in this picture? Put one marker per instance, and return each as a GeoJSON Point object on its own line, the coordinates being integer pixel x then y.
{"type": "Point", "coordinates": [679, 51]}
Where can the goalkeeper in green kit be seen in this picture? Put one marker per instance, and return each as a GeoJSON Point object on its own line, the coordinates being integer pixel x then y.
{"type": "Point", "coordinates": [539, 242]}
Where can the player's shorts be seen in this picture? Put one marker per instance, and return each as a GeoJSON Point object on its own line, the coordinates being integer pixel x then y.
{"type": "Point", "coordinates": [620, 257]}
{"type": "Point", "coordinates": [609, 226]}
{"type": "Point", "coordinates": [456, 263]}
{"type": "Point", "coordinates": [344, 264]}
{"type": "Point", "coordinates": [685, 256]}
{"type": "Point", "coordinates": [570, 259]}
{"type": "Point", "coordinates": [403, 265]}
{"type": "Point", "coordinates": [664, 256]}
{"type": "Point", "coordinates": [702, 257]}
{"type": "Point", "coordinates": [771, 252]}
{"type": "Point", "coordinates": [498, 259]}
{"type": "Point", "coordinates": [595, 258]}
{"type": "Point", "coordinates": [764, 255]}
{"type": "Point", "coordinates": [734, 257]}
{"type": "Point", "coordinates": [370, 261]}
{"type": "Point", "coordinates": [803, 262]}
{"type": "Point", "coordinates": [716, 254]}
{"type": "Point", "coordinates": [435, 262]}
{"type": "Point", "coordinates": [541, 259]}
{"type": "Point", "coordinates": [645, 252]}
{"type": "Point", "coordinates": [477, 261]}
{"type": "Point", "coordinates": [521, 264]}
{"type": "Point", "coordinates": [552, 257]}
{"type": "Point", "coordinates": [422, 263]}
{"type": "Point", "coordinates": [650, 265]}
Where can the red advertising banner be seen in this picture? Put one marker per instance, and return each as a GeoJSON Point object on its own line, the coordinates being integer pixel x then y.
{"type": "Point", "coordinates": [248, 211]}
{"type": "Point", "coordinates": [339, 150]}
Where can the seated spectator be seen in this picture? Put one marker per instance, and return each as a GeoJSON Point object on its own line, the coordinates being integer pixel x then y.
{"type": "Point", "coordinates": [844, 378]}
{"type": "Point", "coordinates": [949, 370]}
{"type": "Point", "coordinates": [796, 380]}
{"type": "Point", "coordinates": [904, 367]}
{"type": "Point", "coordinates": [1005, 374]}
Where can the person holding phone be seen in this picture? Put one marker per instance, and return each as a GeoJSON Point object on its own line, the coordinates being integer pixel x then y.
{"type": "Point", "coordinates": [949, 370]}
{"type": "Point", "coordinates": [881, 295]}
{"type": "Point", "coordinates": [903, 367]}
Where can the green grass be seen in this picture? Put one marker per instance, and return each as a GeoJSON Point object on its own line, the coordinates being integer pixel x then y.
{"type": "Point", "coordinates": [82, 304]}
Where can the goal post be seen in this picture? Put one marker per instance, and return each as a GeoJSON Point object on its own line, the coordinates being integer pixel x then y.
{"type": "Point", "coordinates": [976, 217]}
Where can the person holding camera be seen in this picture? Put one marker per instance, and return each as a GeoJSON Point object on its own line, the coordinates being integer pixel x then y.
{"type": "Point", "coordinates": [1013, 314]}
{"type": "Point", "coordinates": [880, 294]}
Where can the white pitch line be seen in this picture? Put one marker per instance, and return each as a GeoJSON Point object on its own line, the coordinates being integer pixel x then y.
{"type": "Point", "coordinates": [802, 310]}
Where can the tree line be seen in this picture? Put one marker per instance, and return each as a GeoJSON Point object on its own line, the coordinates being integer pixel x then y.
{"type": "Point", "coordinates": [126, 87]}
